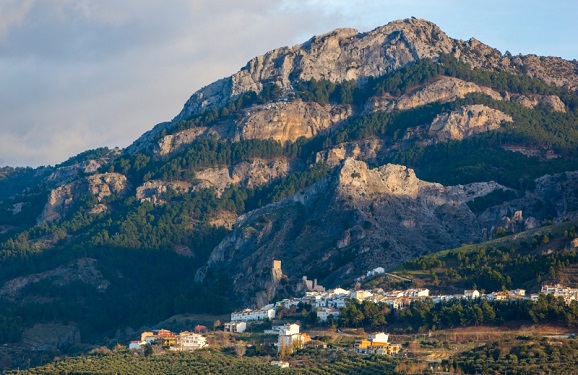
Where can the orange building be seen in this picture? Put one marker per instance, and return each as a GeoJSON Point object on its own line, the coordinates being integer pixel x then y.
{"type": "Point", "coordinates": [377, 343]}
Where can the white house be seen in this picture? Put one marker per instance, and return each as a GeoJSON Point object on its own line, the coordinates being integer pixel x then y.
{"type": "Point", "coordinates": [379, 337]}
{"type": "Point", "coordinates": [135, 344]}
{"type": "Point", "coordinates": [471, 294]}
{"type": "Point", "coordinates": [289, 338]}
{"type": "Point", "coordinates": [375, 271]}
{"type": "Point", "coordinates": [337, 303]}
{"type": "Point", "coordinates": [360, 295]}
{"type": "Point", "coordinates": [422, 292]}
{"type": "Point", "coordinates": [339, 292]}
{"type": "Point", "coordinates": [325, 312]}
{"type": "Point", "coordinates": [235, 327]}
{"type": "Point", "coordinates": [188, 341]}
{"type": "Point", "coordinates": [248, 315]}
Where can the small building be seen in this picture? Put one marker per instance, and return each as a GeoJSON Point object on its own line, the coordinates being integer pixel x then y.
{"type": "Point", "coordinates": [281, 364]}
{"type": "Point", "coordinates": [188, 341]}
{"type": "Point", "coordinates": [471, 294]}
{"type": "Point", "coordinates": [248, 315]}
{"type": "Point", "coordinates": [360, 295]}
{"type": "Point", "coordinates": [375, 271]}
{"type": "Point", "coordinates": [136, 344]}
{"type": "Point", "coordinates": [377, 343]}
{"type": "Point", "coordinates": [290, 339]}
{"type": "Point", "coordinates": [144, 335]}
{"type": "Point", "coordinates": [235, 327]}
{"type": "Point", "coordinates": [324, 313]}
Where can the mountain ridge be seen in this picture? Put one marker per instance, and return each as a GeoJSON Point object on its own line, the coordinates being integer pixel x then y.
{"type": "Point", "coordinates": [264, 170]}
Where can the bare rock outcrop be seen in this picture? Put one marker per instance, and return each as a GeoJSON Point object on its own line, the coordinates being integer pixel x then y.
{"type": "Point", "coordinates": [531, 101]}
{"type": "Point", "coordinates": [552, 70]}
{"type": "Point", "coordinates": [81, 165]}
{"type": "Point", "coordinates": [363, 150]}
{"type": "Point", "coordinates": [343, 54]}
{"type": "Point", "coordinates": [284, 122]}
{"type": "Point", "coordinates": [444, 90]}
{"type": "Point", "coordinates": [466, 122]}
{"type": "Point", "coordinates": [560, 193]}
{"type": "Point", "coordinates": [100, 186]}
{"type": "Point", "coordinates": [50, 337]}
{"type": "Point", "coordinates": [346, 54]}
{"type": "Point", "coordinates": [248, 174]}
{"type": "Point", "coordinates": [154, 190]}
{"type": "Point", "coordinates": [84, 270]}
{"type": "Point", "coordinates": [174, 142]}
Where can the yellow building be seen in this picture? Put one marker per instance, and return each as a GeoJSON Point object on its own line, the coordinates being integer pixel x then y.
{"type": "Point", "coordinates": [376, 344]}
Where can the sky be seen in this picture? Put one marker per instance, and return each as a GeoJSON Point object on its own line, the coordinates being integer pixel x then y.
{"type": "Point", "coordinates": [81, 74]}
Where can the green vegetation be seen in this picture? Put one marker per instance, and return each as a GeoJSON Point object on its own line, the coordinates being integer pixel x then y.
{"type": "Point", "coordinates": [133, 242]}
{"type": "Point", "coordinates": [425, 315]}
{"type": "Point", "coordinates": [422, 316]}
{"type": "Point", "coordinates": [523, 261]}
{"type": "Point", "coordinates": [521, 356]}
{"type": "Point", "coordinates": [310, 361]}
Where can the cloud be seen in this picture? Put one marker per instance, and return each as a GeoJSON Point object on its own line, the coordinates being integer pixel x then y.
{"type": "Point", "coordinates": [80, 74]}
{"type": "Point", "coordinates": [13, 12]}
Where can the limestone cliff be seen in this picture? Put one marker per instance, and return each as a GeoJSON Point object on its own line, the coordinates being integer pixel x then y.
{"type": "Point", "coordinates": [99, 186]}
{"type": "Point", "coordinates": [531, 101]}
{"type": "Point", "coordinates": [346, 54]}
{"type": "Point", "coordinates": [153, 190]}
{"type": "Point", "coordinates": [466, 122]}
{"type": "Point", "coordinates": [346, 223]}
{"type": "Point", "coordinates": [284, 122]}
{"type": "Point", "coordinates": [445, 89]}
{"type": "Point", "coordinates": [364, 150]}
{"type": "Point", "coordinates": [247, 174]}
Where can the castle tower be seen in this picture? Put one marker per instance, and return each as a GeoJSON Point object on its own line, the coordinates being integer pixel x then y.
{"type": "Point", "coordinates": [277, 273]}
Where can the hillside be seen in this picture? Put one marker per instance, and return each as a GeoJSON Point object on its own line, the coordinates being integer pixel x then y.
{"type": "Point", "coordinates": [525, 260]}
{"type": "Point", "coordinates": [349, 151]}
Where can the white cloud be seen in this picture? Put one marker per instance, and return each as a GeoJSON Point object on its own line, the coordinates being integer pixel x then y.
{"type": "Point", "coordinates": [12, 13]}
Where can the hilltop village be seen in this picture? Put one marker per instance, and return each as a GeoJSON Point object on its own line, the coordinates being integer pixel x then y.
{"type": "Point", "coordinates": [327, 306]}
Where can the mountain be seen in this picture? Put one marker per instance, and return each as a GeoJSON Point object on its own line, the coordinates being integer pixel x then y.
{"type": "Point", "coordinates": [347, 152]}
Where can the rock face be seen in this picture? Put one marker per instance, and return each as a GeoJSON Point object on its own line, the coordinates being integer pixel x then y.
{"type": "Point", "coordinates": [84, 270]}
{"type": "Point", "coordinates": [284, 122]}
{"type": "Point", "coordinates": [552, 70]}
{"type": "Point", "coordinates": [385, 216]}
{"type": "Point", "coordinates": [446, 89]}
{"type": "Point", "coordinates": [62, 198]}
{"type": "Point", "coordinates": [153, 191]}
{"type": "Point", "coordinates": [174, 142]}
{"type": "Point", "coordinates": [365, 150]}
{"type": "Point", "coordinates": [531, 101]}
{"type": "Point", "coordinates": [247, 174]}
{"type": "Point", "coordinates": [346, 54]}
{"type": "Point", "coordinates": [559, 194]}
{"type": "Point", "coordinates": [465, 122]}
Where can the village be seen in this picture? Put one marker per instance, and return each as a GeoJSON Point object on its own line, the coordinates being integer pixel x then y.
{"type": "Point", "coordinates": [327, 305]}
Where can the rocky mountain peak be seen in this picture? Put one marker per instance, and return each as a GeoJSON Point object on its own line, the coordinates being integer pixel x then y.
{"type": "Point", "coordinates": [343, 54]}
